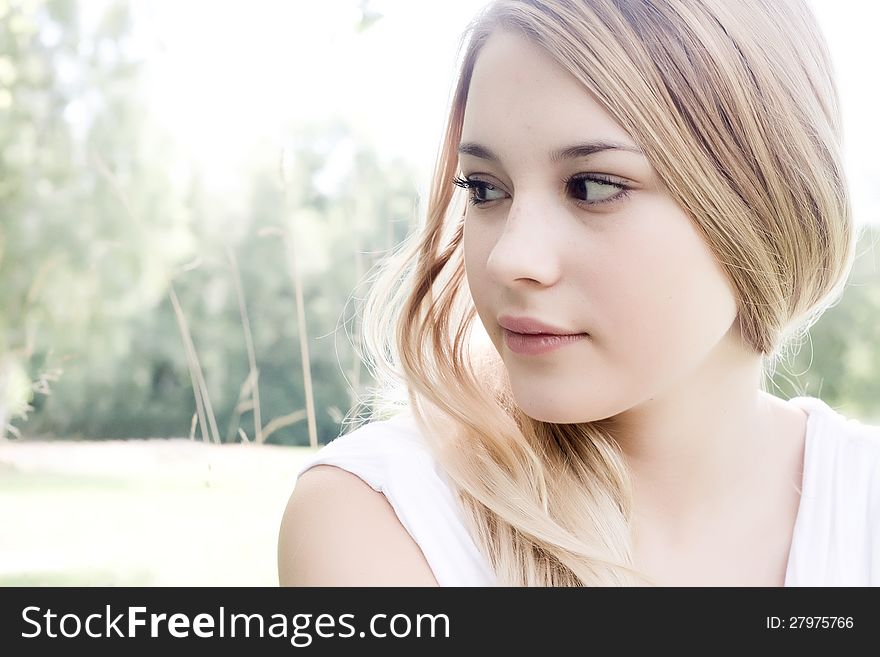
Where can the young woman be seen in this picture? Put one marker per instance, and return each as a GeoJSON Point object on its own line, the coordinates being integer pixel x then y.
{"type": "Point", "coordinates": [654, 207]}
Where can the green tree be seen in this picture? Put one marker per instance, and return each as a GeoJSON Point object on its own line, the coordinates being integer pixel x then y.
{"type": "Point", "coordinates": [89, 224]}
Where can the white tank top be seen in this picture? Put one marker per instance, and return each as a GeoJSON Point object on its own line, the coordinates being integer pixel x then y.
{"type": "Point", "coordinates": [836, 539]}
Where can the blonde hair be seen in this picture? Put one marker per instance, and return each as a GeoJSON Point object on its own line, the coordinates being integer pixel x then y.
{"type": "Point", "coordinates": [735, 106]}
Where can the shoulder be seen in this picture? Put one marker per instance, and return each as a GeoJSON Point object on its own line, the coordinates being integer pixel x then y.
{"type": "Point", "coordinates": [844, 458]}
{"type": "Point", "coordinates": [832, 430]}
{"type": "Point", "coordinates": [852, 444]}
{"type": "Point", "coordinates": [338, 531]}
{"type": "Point", "coordinates": [387, 489]}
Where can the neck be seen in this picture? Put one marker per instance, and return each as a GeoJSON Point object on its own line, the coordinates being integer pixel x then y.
{"type": "Point", "coordinates": [705, 445]}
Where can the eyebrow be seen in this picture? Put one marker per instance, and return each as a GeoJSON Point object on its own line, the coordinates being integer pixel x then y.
{"type": "Point", "coordinates": [584, 149]}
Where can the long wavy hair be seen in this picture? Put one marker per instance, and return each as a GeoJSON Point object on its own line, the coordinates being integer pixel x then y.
{"type": "Point", "coordinates": [734, 104]}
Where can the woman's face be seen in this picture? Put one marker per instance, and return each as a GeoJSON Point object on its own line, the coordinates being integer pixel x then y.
{"type": "Point", "coordinates": [629, 270]}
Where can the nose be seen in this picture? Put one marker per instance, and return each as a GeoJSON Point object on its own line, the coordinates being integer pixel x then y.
{"type": "Point", "coordinates": [527, 248]}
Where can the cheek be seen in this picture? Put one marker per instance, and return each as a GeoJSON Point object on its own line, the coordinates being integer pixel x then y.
{"type": "Point", "coordinates": [664, 299]}
{"type": "Point", "coordinates": [473, 267]}
{"type": "Point", "coordinates": [476, 249]}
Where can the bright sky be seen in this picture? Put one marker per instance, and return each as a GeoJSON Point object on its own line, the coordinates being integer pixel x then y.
{"type": "Point", "coordinates": [226, 75]}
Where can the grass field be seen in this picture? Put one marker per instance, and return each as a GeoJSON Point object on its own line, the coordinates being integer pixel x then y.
{"type": "Point", "coordinates": [143, 513]}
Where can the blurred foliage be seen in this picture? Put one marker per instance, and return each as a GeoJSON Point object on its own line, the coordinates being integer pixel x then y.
{"type": "Point", "coordinates": [94, 232]}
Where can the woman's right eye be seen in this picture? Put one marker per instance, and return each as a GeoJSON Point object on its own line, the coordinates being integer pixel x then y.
{"type": "Point", "coordinates": [477, 187]}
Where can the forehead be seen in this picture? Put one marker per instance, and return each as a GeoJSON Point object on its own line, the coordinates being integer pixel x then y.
{"type": "Point", "coordinates": [519, 96]}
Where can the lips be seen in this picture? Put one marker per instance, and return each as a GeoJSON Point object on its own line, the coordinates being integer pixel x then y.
{"type": "Point", "coordinates": [532, 326]}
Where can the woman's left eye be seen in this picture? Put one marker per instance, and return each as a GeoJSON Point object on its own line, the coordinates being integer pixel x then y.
{"type": "Point", "coordinates": [596, 189]}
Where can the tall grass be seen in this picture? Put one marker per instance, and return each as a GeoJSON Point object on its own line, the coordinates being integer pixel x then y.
{"type": "Point", "coordinates": [205, 411]}
{"type": "Point", "coordinates": [254, 375]}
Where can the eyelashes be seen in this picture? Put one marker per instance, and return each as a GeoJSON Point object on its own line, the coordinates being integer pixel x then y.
{"type": "Point", "coordinates": [472, 186]}
{"type": "Point", "coordinates": [475, 186]}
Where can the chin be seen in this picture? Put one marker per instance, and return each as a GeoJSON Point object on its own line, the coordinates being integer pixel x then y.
{"type": "Point", "coordinates": [582, 405]}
